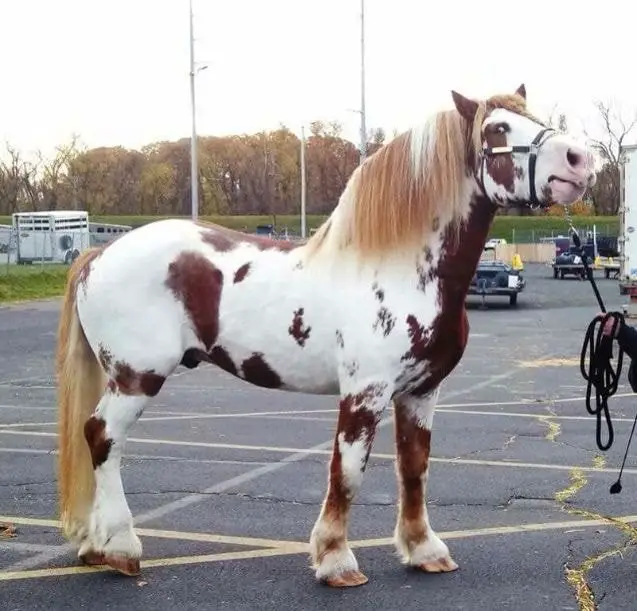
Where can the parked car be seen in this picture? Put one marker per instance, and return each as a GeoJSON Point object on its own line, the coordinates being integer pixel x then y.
{"type": "Point", "coordinates": [570, 262]}
{"type": "Point", "coordinates": [497, 278]}
{"type": "Point", "coordinates": [493, 242]}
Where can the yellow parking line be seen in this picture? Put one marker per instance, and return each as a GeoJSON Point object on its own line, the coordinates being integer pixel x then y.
{"type": "Point", "coordinates": [202, 537]}
{"type": "Point", "coordinates": [298, 548]}
{"type": "Point", "coordinates": [499, 530]}
{"type": "Point", "coordinates": [147, 564]}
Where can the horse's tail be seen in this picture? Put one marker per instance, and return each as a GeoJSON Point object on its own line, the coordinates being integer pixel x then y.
{"type": "Point", "coordinates": [81, 382]}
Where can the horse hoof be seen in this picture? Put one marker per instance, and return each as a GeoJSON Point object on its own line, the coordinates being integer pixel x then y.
{"type": "Point", "coordinates": [124, 565]}
{"type": "Point", "coordinates": [92, 558]}
{"type": "Point", "coordinates": [350, 579]}
{"type": "Point", "coordinates": [442, 565]}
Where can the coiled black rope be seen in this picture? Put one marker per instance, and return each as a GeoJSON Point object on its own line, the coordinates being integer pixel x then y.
{"type": "Point", "coordinates": [600, 373]}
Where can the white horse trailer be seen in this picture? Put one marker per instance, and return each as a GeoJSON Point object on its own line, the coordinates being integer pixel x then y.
{"type": "Point", "coordinates": [104, 233]}
{"type": "Point", "coordinates": [56, 236]}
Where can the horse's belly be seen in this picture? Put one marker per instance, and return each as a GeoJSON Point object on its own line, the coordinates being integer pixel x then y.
{"type": "Point", "coordinates": [273, 344]}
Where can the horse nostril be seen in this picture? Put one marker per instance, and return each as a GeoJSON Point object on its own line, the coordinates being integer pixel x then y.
{"type": "Point", "coordinates": [574, 159]}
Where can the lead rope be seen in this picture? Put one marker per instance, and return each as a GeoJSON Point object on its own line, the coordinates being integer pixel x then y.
{"type": "Point", "coordinates": [600, 373]}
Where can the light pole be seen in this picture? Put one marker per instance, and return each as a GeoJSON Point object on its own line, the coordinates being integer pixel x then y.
{"type": "Point", "coordinates": [194, 166]}
{"type": "Point", "coordinates": [362, 110]}
{"type": "Point", "coordinates": [303, 183]}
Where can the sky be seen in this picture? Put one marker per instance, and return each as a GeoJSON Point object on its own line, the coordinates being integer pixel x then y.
{"type": "Point", "coordinates": [116, 71]}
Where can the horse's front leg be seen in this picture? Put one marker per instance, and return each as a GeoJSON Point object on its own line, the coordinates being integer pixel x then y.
{"type": "Point", "coordinates": [359, 414]}
{"type": "Point", "coordinates": [415, 540]}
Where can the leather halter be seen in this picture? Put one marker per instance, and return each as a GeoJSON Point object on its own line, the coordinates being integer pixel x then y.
{"type": "Point", "coordinates": [532, 150]}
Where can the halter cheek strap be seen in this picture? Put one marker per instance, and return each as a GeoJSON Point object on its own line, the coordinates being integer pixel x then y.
{"type": "Point", "coordinates": [532, 150]}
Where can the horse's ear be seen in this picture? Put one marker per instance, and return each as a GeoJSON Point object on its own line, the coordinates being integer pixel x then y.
{"type": "Point", "coordinates": [466, 107]}
{"type": "Point", "coordinates": [521, 91]}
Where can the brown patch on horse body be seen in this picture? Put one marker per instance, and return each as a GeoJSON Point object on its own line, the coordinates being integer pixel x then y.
{"type": "Point", "coordinates": [257, 371]}
{"type": "Point", "coordinates": [385, 320]}
{"type": "Point", "coordinates": [357, 419]}
{"type": "Point", "coordinates": [99, 445]}
{"type": "Point", "coordinates": [125, 379]}
{"type": "Point", "coordinates": [131, 382]}
{"type": "Point", "coordinates": [197, 283]}
{"type": "Point", "coordinates": [218, 240]}
{"type": "Point", "coordinates": [351, 367]}
{"type": "Point", "coordinates": [105, 357]}
{"type": "Point", "coordinates": [443, 343]}
{"type": "Point", "coordinates": [220, 357]}
{"type": "Point", "coordinates": [340, 342]}
{"type": "Point", "coordinates": [297, 329]}
{"type": "Point", "coordinates": [500, 167]}
{"type": "Point", "coordinates": [223, 239]}
{"type": "Point", "coordinates": [366, 398]}
{"type": "Point", "coordinates": [413, 445]}
{"type": "Point", "coordinates": [425, 269]}
{"type": "Point", "coordinates": [378, 292]}
{"type": "Point", "coordinates": [241, 273]}
{"type": "Point", "coordinates": [419, 338]}
{"type": "Point", "coordinates": [151, 383]}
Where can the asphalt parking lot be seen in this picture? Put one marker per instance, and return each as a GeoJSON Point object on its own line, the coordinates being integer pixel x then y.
{"type": "Point", "coordinates": [226, 481]}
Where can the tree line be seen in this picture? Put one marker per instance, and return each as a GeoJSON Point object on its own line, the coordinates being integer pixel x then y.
{"type": "Point", "coordinates": [238, 175]}
{"type": "Point", "coordinates": [243, 174]}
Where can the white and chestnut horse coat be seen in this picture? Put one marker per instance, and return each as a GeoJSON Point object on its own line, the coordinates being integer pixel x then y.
{"type": "Point", "coordinates": [371, 309]}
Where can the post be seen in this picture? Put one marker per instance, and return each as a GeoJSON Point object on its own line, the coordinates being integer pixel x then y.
{"type": "Point", "coordinates": [194, 171]}
{"type": "Point", "coordinates": [303, 183]}
{"type": "Point", "coordinates": [363, 126]}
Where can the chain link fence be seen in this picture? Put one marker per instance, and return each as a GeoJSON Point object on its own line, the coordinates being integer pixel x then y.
{"type": "Point", "coordinates": [535, 236]}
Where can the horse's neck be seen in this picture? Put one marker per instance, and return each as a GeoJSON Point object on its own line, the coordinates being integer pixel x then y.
{"type": "Point", "coordinates": [459, 250]}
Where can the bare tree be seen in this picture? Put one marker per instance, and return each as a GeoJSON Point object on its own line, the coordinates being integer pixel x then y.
{"type": "Point", "coordinates": [55, 183]}
{"type": "Point", "coordinates": [556, 119]}
{"type": "Point", "coordinates": [616, 126]}
{"type": "Point", "coordinates": [11, 182]}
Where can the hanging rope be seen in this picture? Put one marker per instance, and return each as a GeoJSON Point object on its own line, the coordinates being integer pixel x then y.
{"type": "Point", "coordinates": [600, 373]}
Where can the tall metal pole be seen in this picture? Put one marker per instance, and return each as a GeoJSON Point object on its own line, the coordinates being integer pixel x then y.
{"type": "Point", "coordinates": [303, 184]}
{"type": "Point", "coordinates": [194, 171]}
{"type": "Point", "coordinates": [363, 126]}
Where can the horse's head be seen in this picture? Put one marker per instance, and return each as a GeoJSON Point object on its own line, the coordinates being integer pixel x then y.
{"type": "Point", "coordinates": [518, 159]}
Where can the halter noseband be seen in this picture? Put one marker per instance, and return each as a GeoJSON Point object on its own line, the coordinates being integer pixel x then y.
{"type": "Point", "coordinates": [532, 150]}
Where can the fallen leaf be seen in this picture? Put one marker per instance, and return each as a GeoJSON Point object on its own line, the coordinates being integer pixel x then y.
{"type": "Point", "coordinates": [7, 530]}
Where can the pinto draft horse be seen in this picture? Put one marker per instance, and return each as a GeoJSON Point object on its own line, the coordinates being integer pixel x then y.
{"type": "Point", "coordinates": [371, 308]}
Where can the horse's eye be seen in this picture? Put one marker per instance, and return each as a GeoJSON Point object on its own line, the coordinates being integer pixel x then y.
{"type": "Point", "coordinates": [502, 128]}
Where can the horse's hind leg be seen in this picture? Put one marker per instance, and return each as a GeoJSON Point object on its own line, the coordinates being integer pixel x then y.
{"type": "Point", "coordinates": [111, 539]}
{"type": "Point", "coordinates": [414, 538]}
{"type": "Point", "coordinates": [359, 413]}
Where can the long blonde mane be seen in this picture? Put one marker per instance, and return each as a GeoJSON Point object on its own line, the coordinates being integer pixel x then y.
{"type": "Point", "coordinates": [412, 184]}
